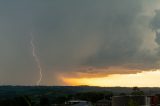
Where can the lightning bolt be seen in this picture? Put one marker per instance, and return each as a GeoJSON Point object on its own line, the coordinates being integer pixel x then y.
{"type": "Point", "coordinates": [36, 59]}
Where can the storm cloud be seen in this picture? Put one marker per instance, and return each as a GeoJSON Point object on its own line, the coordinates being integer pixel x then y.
{"type": "Point", "coordinates": [74, 35]}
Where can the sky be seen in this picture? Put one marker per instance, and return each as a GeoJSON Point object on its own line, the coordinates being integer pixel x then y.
{"type": "Point", "coordinates": [80, 42]}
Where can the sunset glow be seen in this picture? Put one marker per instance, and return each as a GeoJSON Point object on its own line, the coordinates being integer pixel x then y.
{"type": "Point", "coordinates": [142, 79]}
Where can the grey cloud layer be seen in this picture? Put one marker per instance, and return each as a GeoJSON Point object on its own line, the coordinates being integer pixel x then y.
{"type": "Point", "coordinates": [71, 34]}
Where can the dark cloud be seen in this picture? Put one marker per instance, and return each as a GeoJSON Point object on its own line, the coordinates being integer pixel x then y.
{"type": "Point", "coordinates": [72, 34]}
{"type": "Point", "coordinates": [155, 23]}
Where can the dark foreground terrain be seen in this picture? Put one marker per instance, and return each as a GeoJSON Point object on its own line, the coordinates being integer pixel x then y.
{"type": "Point", "coordinates": [51, 95]}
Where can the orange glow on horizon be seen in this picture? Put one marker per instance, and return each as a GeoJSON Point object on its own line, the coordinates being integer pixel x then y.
{"type": "Point", "coordinates": [143, 79]}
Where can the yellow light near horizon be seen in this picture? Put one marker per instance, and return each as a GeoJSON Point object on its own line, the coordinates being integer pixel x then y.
{"type": "Point", "coordinates": [143, 79]}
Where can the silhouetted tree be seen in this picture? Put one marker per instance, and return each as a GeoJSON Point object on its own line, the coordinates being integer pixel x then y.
{"type": "Point", "coordinates": [93, 96]}
{"type": "Point", "coordinates": [137, 91]}
{"type": "Point", "coordinates": [22, 101]}
{"type": "Point", "coordinates": [44, 101]}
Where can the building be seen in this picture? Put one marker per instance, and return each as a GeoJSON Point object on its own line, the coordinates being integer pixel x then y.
{"type": "Point", "coordinates": [130, 100]}
{"type": "Point", "coordinates": [154, 100]}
